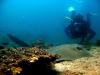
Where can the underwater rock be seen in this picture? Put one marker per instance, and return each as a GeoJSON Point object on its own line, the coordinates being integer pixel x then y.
{"type": "Point", "coordinates": [18, 41]}
{"type": "Point", "coordinates": [1, 47]}
{"type": "Point", "coordinates": [41, 44]}
{"type": "Point", "coordinates": [15, 61]}
{"type": "Point", "coordinates": [42, 66]}
{"type": "Point", "coordinates": [69, 51]}
{"type": "Point", "coordinates": [98, 42]}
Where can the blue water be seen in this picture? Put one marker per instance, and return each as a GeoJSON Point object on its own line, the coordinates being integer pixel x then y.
{"type": "Point", "coordinates": [31, 20]}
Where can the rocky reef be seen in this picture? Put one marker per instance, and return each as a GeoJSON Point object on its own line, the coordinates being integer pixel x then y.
{"type": "Point", "coordinates": [26, 61]}
{"type": "Point", "coordinates": [41, 44]}
{"type": "Point", "coordinates": [39, 61]}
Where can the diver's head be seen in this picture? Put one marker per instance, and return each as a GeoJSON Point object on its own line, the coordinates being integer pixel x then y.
{"type": "Point", "coordinates": [78, 18]}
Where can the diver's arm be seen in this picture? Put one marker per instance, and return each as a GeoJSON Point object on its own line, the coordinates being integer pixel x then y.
{"type": "Point", "coordinates": [72, 16]}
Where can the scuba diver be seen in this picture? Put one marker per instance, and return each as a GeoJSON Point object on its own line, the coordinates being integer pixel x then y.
{"type": "Point", "coordinates": [80, 28]}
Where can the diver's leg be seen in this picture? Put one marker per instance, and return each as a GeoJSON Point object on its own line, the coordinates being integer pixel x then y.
{"type": "Point", "coordinates": [91, 34]}
{"type": "Point", "coordinates": [82, 39]}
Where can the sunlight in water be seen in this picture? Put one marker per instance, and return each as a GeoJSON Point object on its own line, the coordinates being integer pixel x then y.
{"type": "Point", "coordinates": [70, 9]}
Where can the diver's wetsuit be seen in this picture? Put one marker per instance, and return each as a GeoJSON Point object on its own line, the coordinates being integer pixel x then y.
{"type": "Point", "coordinates": [80, 29]}
{"type": "Point", "coordinates": [85, 32]}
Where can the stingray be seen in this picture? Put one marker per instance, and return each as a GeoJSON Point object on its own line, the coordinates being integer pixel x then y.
{"type": "Point", "coordinates": [69, 51]}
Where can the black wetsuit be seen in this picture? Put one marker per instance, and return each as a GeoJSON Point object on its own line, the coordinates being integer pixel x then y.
{"type": "Point", "coordinates": [81, 30]}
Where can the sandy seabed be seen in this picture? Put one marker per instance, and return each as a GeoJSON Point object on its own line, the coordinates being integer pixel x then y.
{"type": "Point", "coordinates": [82, 66]}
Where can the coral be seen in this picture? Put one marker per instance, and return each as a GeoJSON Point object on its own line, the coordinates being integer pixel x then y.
{"type": "Point", "coordinates": [16, 61]}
